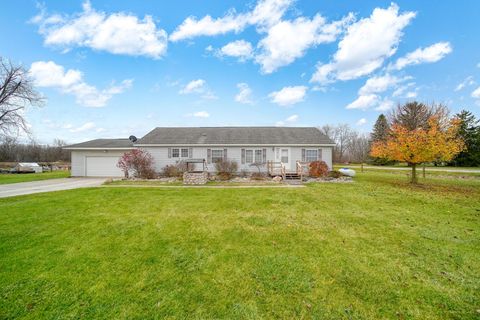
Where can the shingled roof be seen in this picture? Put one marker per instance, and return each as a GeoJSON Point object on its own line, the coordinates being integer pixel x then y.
{"type": "Point", "coordinates": [102, 143]}
{"type": "Point", "coordinates": [235, 135]}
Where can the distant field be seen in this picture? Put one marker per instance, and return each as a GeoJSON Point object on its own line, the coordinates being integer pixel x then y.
{"type": "Point", "coordinates": [377, 248]}
{"type": "Point", "coordinates": [26, 177]}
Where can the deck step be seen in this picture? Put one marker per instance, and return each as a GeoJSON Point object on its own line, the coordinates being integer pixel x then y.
{"type": "Point", "coordinates": [292, 176]}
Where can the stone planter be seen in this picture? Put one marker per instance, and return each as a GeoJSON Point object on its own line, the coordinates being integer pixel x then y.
{"type": "Point", "coordinates": [195, 178]}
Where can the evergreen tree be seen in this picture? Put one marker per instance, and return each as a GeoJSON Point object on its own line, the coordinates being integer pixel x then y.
{"type": "Point", "coordinates": [470, 134]}
{"type": "Point", "coordinates": [380, 129]}
{"type": "Point", "coordinates": [380, 133]}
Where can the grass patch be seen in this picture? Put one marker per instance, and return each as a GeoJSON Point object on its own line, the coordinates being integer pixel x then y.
{"type": "Point", "coordinates": [27, 177]}
{"type": "Point", "coordinates": [377, 248]}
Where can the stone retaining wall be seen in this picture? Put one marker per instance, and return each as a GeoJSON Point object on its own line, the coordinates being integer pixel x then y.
{"type": "Point", "coordinates": [195, 177]}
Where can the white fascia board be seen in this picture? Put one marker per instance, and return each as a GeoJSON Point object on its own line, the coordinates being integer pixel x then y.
{"type": "Point", "coordinates": [97, 148]}
{"type": "Point", "coordinates": [234, 145]}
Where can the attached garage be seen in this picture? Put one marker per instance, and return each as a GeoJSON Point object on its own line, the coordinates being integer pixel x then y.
{"type": "Point", "coordinates": [98, 158]}
{"type": "Point", "coordinates": [96, 166]}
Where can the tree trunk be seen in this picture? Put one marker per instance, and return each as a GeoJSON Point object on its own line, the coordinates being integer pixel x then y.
{"type": "Point", "coordinates": [414, 173]}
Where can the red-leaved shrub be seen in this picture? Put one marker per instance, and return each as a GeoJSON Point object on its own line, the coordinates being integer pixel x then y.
{"type": "Point", "coordinates": [138, 163]}
{"type": "Point", "coordinates": [318, 169]}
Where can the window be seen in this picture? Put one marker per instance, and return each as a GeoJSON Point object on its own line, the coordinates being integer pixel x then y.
{"type": "Point", "coordinates": [284, 157]}
{"type": "Point", "coordinates": [253, 156]}
{"type": "Point", "coordinates": [249, 156]}
{"type": "Point", "coordinates": [217, 155]}
{"type": "Point", "coordinates": [180, 153]}
{"type": "Point", "coordinates": [258, 156]}
{"type": "Point", "coordinates": [311, 155]}
{"type": "Point", "coordinates": [175, 153]}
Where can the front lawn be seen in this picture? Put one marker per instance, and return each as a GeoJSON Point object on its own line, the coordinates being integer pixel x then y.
{"type": "Point", "coordinates": [27, 177]}
{"type": "Point", "coordinates": [377, 248]}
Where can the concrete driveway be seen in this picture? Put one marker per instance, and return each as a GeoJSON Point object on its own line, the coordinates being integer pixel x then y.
{"type": "Point", "coordinates": [17, 189]}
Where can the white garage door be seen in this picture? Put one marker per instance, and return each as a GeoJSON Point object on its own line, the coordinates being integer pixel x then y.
{"type": "Point", "coordinates": [102, 167]}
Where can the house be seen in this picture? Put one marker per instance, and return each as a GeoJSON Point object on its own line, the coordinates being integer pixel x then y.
{"type": "Point", "coordinates": [245, 145]}
{"type": "Point", "coordinates": [25, 167]}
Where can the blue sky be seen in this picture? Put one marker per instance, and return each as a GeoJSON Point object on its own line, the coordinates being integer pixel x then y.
{"type": "Point", "coordinates": [115, 68]}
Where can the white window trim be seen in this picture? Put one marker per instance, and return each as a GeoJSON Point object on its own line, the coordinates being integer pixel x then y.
{"type": "Point", "coordinates": [180, 156]}
{"type": "Point", "coordinates": [254, 152]}
{"type": "Point", "coordinates": [219, 150]}
{"type": "Point", "coordinates": [306, 152]}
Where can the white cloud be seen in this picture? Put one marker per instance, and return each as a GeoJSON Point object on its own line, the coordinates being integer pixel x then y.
{"type": "Point", "coordinates": [401, 90]}
{"type": "Point", "coordinates": [200, 87]}
{"type": "Point", "coordinates": [117, 33]}
{"type": "Point", "coordinates": [50, 74]}
{"type": "Point", "coordinates": [288, 95]}
{"type": "Point", "coordinates": [244, 95]}
{"type": "Point", "coordinates": [194, 86]}
{"type": "Point", "coordinates": [476, 93]}
{"type": "Point", "coordinates": [265, 13]}
{"type": "Point", "coordinates": [289, 40]}
{"type": "Point", "coordinates": [429, 54]}
{"type": "Point", "coordinates": [380, 84]}
{"type": "Point", "coordinates": [361, 122]}
{"type": "Point", "coordinates": [199, 114]}
{"type": "Point", "coordinates": [365, 46]}
{"type": "Point", "coordinates": [411, 95]}
{"type": "Point", "coordinates": [385, 105]}
{"type": "Point", "coordinates": [288, 121]}
{"type": "Point", "coordinates": [84, 127]}
{"type": "Point", "coordinates": [467, 82]}
{"type": "Point", "coordinates": [240, 49]}
{"type": "Point", "coordinates": [364, 102]}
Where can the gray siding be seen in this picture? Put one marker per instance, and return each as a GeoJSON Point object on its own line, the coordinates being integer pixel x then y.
{"type": "Point", "coordinates": [160, 154]}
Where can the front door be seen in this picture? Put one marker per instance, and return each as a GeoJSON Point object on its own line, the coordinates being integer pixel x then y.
{"type": "Point", "coordinates": [285, 157]}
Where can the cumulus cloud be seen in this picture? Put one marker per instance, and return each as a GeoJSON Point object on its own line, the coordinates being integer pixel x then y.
{"type": "Point", "coordinates": [361, 122]}
{"type": "Point", "coordinates": [365, 46]}
{"type": "Point", "coordinates": [48, 74]}
{"type": "Point", "coordinates": [476, 93]}
{"type": "Point", "coordinates": [86, 126]}
{"type": "Point", "coordinates": [240, 49]}
{"type": "Point", "coordinates": [380, 84]}
{"type": "Point", "coordinates": [467, 82]}
{"type": "Point", "coordinates": [288, 95]}
{"type": "Point", "coordinates": [117, 33]}
{"type": "Point", "coordinates": [429, 54]}
{"type": "Point", "coordinates": [265, 13]}
{"type": "Point", "coordinates": [385, 104]}
{"type": "Point", "coordinates": [198, 86]}
{"type": "Point", "coordinates": [288, 121]}
{"type": "Point", "coordinates": [364, 102]}
{"type": "Point", "coordinates": [199, 114]}
{"type": "Point", "coordinates": [245, 94]}
{"type": "Point", "coordinates": [288, 40]}
{"type": "Point", "coordinates": [368, 94]}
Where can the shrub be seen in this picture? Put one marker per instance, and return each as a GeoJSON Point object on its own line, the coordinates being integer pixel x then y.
{"type": "Point", "coordinates": [318, 169]}
{"type": "Point", "coordinates": [257, 176]}
{"type": "Point", "coordinates": [334, 174]}
{"type": "Point", "coordinates": [137, 163]}
{"type": "Point", "coordinates": [174, 170]}
{"type": "Point", "coordinates": [226, 168]}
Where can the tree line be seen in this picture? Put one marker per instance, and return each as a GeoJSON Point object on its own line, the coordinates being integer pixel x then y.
{"type": "Point", "coordinates": [13, 151]}
{"type": "Point", "coordinates": [354, 146]}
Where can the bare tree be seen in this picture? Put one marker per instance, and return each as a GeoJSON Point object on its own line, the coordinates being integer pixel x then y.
{"type": "Point", "coordinates": [413, 115]}
{"type": "Point", "coordinates": [16, 92]}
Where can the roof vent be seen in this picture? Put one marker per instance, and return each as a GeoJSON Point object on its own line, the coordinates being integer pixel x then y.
{"type": "Point", "coordinates": [132, 138]}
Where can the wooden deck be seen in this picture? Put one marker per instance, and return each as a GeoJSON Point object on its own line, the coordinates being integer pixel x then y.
{"type": "Point", "coordinates": [276, 168]}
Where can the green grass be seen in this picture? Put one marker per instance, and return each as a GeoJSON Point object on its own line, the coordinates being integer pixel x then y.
{"type": "Point", "coordinates": [26, 177]}
{"type": "Point", "coordinates": [377, 248]}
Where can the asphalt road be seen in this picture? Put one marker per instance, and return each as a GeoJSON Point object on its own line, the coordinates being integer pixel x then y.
{"type": "Point", "coordinates": [22, 188]}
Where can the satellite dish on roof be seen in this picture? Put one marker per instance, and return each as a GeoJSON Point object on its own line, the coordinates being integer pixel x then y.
{"type": "Point", "coordinates": [132, 138]}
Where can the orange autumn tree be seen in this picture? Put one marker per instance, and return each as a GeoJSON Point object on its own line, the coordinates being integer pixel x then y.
{"type": "Point", "coordinates": [433, 142]}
